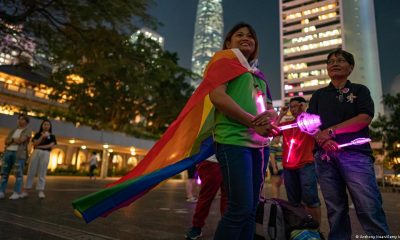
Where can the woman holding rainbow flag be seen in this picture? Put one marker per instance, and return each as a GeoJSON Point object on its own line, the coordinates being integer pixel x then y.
{"type": "Point", "coordinates": [241, 147]}
{"type": "Point", "coordinates": [237, 90]}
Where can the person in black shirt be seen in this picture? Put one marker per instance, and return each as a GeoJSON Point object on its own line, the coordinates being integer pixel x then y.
{"type": "Point", "coordinates": [346, 109]}
{"type": "Point", "coordinates": [43, 141]}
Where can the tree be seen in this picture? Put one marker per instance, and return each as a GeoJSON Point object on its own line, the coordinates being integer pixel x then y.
{"type": "Point", "coordinates": [107, 81]}
{"type": "Point", "coordinates": [34, 27]}
{"type": "Point", "coordinates": [387, 128]}
{"type": "Point", "coordinates": [133, 87]}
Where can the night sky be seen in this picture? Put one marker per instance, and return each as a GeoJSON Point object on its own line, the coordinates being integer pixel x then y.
{"type": "Point", "coordinates": [178, 19]}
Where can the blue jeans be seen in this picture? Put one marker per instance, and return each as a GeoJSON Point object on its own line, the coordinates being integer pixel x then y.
{"type": "Point", "coordinates": [10, 160]}
{"type": "Point", "coordinates": [301, 185]}
{"type": "Point", "coordinates": [243, 170]}
{"type": "Point", "coordinates": [354, 171]}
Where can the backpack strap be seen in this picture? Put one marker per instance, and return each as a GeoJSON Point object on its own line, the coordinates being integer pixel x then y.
{"type": "Point", "coordinates": [272, 222]}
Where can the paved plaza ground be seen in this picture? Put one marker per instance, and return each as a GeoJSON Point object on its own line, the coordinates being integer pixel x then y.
{"type": "Point", "coordinates": [161, 214]}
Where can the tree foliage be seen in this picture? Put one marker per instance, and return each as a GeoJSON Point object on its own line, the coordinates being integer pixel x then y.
{"type": "Point", "coordinates": [33, 27]}
{"type": "Point", "coordinates": [132, 87]}
{"type": "Point", "coordinates": [386, 128]}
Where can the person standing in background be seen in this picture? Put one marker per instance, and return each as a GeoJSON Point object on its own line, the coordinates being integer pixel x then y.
{"type": "Point", "coordinates": [211, 181]}
{"type": "Point", "coordinates": [299, 172]}
{"type": "Point", "coordinates": [43, 141]}
{"type": "Point", "coordinates": [15, 155]}
{"type": "Point", "coordinates": [94, 159]}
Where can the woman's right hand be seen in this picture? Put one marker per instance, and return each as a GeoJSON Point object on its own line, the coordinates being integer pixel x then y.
{"type": "Point", "coordinates": [268, 130]}
{"type": "Point", "coordinates": [266, 117]}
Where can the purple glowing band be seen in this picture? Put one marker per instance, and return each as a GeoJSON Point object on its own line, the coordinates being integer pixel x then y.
{"type": "Point", "coordinates": [357, 141]}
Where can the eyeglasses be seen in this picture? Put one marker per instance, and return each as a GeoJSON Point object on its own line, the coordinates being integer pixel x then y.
{"type": "Point", "coordinates": [338, 60]}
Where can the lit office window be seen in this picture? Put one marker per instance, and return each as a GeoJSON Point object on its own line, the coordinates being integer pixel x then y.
{"type": "Point", "coordinates": [296, 66]}
{"type": "Point", "coordinates": [327, 16]}
{"type": "Point", "coordinates": [307, 47]}
{"type": "Point", "coordinates": [310, 11]}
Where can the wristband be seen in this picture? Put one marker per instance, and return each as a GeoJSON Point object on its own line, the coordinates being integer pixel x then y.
{"type": "Point", "coordinates": [331, 132]}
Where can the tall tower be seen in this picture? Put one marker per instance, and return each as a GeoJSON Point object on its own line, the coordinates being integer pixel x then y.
{"type": "Point", "coordinates": [208, 32]}
{"type": "Point", "coordinates": [310, 29]}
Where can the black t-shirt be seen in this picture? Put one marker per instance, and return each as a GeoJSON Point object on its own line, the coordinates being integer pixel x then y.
{"type": "Point", "coordinates": [50, 139]}
{"type": "Point", "coordinates": [334, 107]}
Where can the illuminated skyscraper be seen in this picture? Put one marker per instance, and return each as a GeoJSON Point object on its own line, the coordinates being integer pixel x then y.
{"type": "Point", "coordinates": [207, 34]}
{"type": "Point", "coordinates": [148, 34]}
{"type": "Point", "coordinates": [310, 29]}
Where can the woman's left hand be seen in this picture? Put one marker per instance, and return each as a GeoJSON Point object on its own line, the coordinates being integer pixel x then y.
{"type": "Point", "coordinates": [267, 130]}
{"type": "Point", "coordinates": [267, 117]}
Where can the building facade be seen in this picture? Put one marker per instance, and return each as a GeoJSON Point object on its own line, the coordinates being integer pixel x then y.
{"type": "Point", "coordinates": [310, 29]}
{"type": "Point", "coordinates": [208, 33]}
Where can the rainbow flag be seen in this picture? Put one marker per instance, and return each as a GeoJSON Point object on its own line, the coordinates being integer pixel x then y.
{"type": "Point", "coordinates": [185, 143]}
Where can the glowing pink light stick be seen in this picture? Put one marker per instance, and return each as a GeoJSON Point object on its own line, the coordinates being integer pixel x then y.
{"type": "Point", "coordinates": [357, 141]}
{"type": "Point", "coordinates": [198, 180]}
{"type": "Point", "coordinates": [260, 102]}
{"type": "Point", "coordinates": [290, 149]}
{"type": "Point", "coordinates": [308, 123]}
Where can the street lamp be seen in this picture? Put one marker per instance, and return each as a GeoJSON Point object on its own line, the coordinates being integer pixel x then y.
{"type": "Point", "coordinates": [133, 151]}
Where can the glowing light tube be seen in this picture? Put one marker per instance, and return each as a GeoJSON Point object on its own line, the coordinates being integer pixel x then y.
{"type": "Point", "coordinates": [308, 123]}
{"type": "Point", "coordinates": [290, 149]}
{"type": "Point", "coordinates": [357, 141]}
{"type": "Point", "coordinates": [260, 103]}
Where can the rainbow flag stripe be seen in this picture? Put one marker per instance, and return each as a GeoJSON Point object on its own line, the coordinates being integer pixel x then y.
{"type": "Point", "coordinates": [185, 143]}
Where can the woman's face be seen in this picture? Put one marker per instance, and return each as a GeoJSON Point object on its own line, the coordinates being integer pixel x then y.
{"type": "Point", "coordinates": [46, 126]}
{"type": "Point", "coordinates": [243, 39]}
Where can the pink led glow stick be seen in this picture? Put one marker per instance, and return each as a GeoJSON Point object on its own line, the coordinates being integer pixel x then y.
{"type": "Point", "coordinates": [260, 102]}
{"type": "Point", "coordinates": [290, 149]}
{"type": "Point", "coordinates": [308, 123]}
{"type": "Point", "coordinates": [198, 180]}
{"type": "Point", "coordinates": [357, 141]}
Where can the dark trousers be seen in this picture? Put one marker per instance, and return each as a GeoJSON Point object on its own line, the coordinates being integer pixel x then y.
{"type": "Point", "coordinates": [243, 170]}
